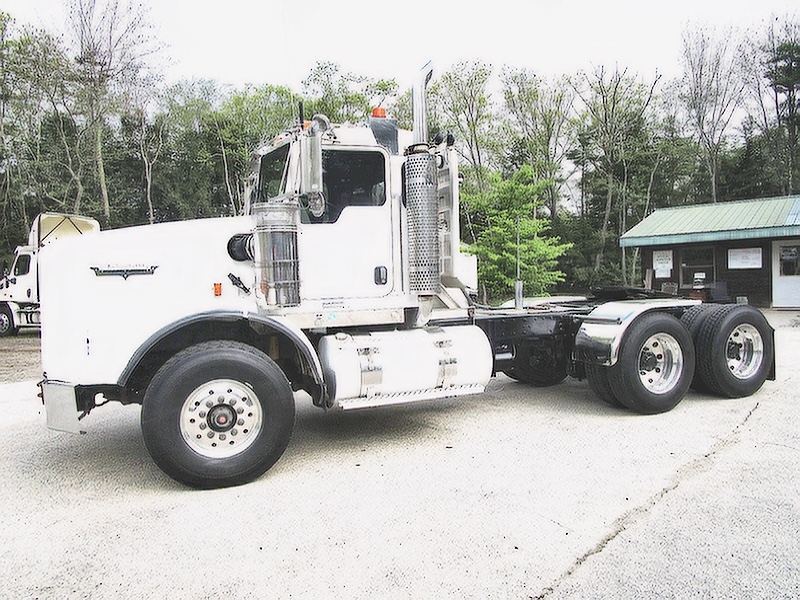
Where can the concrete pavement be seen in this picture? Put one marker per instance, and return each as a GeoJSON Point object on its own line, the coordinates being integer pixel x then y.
{"type": "Point", "coordinates": [516, 493]}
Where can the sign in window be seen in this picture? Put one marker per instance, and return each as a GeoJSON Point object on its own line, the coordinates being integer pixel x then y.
{"type": "Point", "coordinates": [744, 258]}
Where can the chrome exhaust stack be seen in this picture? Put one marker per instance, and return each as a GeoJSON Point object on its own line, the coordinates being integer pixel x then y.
{"type": "Point", "coordinates": [420, 192]}
{"type": "Point", "coordinates": [419, 104]}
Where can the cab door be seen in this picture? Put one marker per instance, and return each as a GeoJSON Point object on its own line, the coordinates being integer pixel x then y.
{"type": "Point", "coordinates": [20, 284]}
{"type": "Point", "coordinates": [347, 251]}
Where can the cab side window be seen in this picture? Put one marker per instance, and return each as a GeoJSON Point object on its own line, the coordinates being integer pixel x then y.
{"type": "Point", "coordinates": [351, 178]}
{"type": "Point", "coordinates": [23, 265]}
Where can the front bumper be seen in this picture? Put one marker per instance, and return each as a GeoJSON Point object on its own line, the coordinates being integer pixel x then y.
{"type": "Point", "coordinates": [61, 406]}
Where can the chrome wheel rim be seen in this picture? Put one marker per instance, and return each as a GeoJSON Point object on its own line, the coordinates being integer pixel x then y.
{"type": "Point", "coordinates": [744, 351]}
{"type": "Point", "coordinates": [660, 363]}
{"type": "Point", "coordinates": [221, 418]}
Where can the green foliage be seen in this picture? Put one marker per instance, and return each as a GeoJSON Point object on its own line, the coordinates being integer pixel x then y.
{"type": "Point", "coordinates": [589, 159]}
{"type": "Point", "coordinates": [462, 105]}
{"type": "Point", "coordinates": [513, 243]}
{"type": "Point", "coordinates": [339, 96]}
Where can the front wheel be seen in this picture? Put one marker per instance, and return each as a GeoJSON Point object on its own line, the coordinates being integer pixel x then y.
{"type": "Point", "coordinates": [7, 322]}
{"type": "Point", "coordinates": [655, 364]}
{"type": "Point", "coordinates": [217, 414]}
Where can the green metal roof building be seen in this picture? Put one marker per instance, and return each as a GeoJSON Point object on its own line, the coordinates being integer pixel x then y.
{"type": "Point", "coordinates": [746, 251]}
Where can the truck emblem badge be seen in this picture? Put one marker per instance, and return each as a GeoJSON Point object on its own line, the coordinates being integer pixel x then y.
{"type": "Point", "coordinates": [125, 273]}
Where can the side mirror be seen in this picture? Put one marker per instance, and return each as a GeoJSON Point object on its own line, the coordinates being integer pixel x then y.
{"type": "Point", "coordinates": [311, 165]}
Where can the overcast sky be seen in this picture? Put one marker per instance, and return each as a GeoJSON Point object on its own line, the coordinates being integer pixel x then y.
{"type": "Point", "coordinates": [278, 42]}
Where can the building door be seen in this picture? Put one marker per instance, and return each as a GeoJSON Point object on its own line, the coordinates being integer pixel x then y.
{"type": "Point", "coordinates": [786, 274]}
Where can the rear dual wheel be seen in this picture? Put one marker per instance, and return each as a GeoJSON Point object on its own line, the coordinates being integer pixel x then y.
{"type": "Point", "coordinates": [693, 319]}
{"type": "Point", "coordinates": [597, 375]}
{"type": "Point", "coordinates": [735, 350]}
{"type": "Point", "coordinates": [727, 350]}
{"type": "Point", "coordinates": [654, 367]}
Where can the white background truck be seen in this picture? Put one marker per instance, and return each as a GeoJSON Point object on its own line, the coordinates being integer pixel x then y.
{"type": "Point", "coordinates": [342, 279]}
{"type": "Point", "coordinates": [19, 287]}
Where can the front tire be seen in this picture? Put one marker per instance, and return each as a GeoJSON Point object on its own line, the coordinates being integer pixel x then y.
{"type": "Point", "coordinates": [7, 322]}
{"type": "Point", "coordinates": [217, 414]}
{"type": "Point", "coordinates": [655, 364]}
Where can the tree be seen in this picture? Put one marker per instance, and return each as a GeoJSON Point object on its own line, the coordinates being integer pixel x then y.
{"type": "Point", "coordinates": [782, 72]}
{"type": "Point", "coordinates": [615, 108]}
{"type": "Point", "coordinates": [112, 42]}
{"type": "Point", "coordinates": [193, 183]}
{"type": "Point", "coordinates": [461, 106]}
{"type": "Point", "coordinates": [342, 97]}
{"type": "Point", "coordinates": [712, 91]}
{"type": "Point", "coordinates": [464, 108]}
{"type": "Point", "coordinates": [540, 122]}
{"type": "Point", "coordinates": [246, 120]}
{"type": "Point", "coordinates": [38, 145]}
{"type": "Point", "coordinates": [513, 246]}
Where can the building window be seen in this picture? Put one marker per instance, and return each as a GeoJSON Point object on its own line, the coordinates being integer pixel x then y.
{"type": "Point", "coordinates": [790, 265]}
{"type": "Point", "coordinates": [697, 266]}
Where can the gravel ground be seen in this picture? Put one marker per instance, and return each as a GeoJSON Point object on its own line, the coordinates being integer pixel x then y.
{"type": "Point", "coordinates": [19, 357]}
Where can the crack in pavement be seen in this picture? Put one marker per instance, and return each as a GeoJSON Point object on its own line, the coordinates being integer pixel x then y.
{"type": "Point", "coordinates": [633, 515]}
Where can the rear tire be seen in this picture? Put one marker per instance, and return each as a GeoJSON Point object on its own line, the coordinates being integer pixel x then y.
{"type": "Point", "coordinates": [541, 369]}
{"type": "Point", "coordinates": [735, 350]}
{"type": "Point", "coordinates": [693, 319]}
{"type": "Point", "coordinates": [694, 316]}
{"type": "Point", "coordinates": [597, 376]}
{"type": "Point", "coordinates": [217, 414]}
{"type": "Point", "coordinates": [655, 364]}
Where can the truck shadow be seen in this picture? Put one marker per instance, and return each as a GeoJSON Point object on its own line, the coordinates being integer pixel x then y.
{"type": "Point", "coordinates": [319, 433]}
{"type": "Point", "coordinates": [113, 455]}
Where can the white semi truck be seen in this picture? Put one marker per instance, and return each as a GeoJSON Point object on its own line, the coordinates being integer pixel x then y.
{"type": "Point", "coordinates": [19, 287]}
{"type": "Point", "coordinates": [342, 279]}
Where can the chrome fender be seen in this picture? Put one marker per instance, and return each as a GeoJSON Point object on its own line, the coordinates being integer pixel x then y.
{"type": "Point", "coordinates": [600, 335]}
